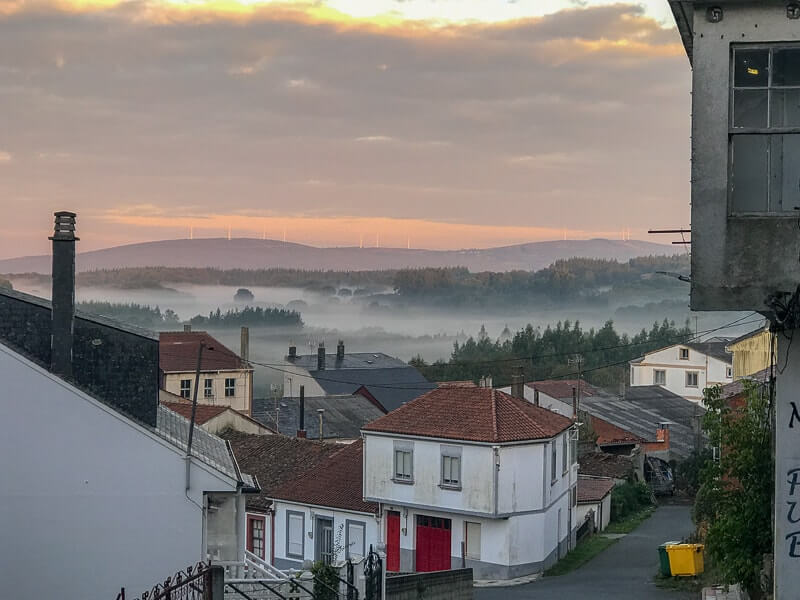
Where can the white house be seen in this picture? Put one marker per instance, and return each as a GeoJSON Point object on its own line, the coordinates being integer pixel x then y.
{"type": "Point", "coordinates": [214, 419]}
{"type": "Point", "coordinates": [321, 514]}
{"type": "Point", "coordinates": [685, 369]}
{"type": "Point", "coordinates": [594, 496]}
{"type": "Point", "coordinates": [555, 394]}
{"type": "Point", "coordinates": [226, 379]}
{"type": "Point", "coordinates": [475, 477]}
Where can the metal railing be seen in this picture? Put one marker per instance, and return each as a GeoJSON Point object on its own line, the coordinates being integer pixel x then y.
{"type": "Point", "coordinates": [193, 583]}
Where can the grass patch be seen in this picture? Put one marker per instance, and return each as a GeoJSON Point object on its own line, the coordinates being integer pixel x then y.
{"type": "Point", "coordinates": [585, 552]}
{"type": "Point", "coordinates": [630, 522]}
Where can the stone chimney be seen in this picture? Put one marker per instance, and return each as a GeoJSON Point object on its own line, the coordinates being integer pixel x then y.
{"type": "Point", "coordinates": [187, 328]}
{"type": "Point", "coordinates": [340, 351]}
{"type": "Point", "coordinates": [518, 384]}
{"type": "Point", "coordinates": [292, 352]}
{"type": "Point", "coordinates": [63, 295]}
{"type": "Point", "coordinates": [321, 357]}
{"type": "Point", "coordinates": [244, 352]}
{"type": "Point", "coordinates": [301, 430]}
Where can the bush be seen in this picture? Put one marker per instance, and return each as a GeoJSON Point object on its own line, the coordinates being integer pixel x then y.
{"type": "Point", "coordinates": [326, 582]}
{"type": "Point", "coordinates": [629, 498]}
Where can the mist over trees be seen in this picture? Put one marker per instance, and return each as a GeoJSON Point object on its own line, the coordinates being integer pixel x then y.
{"type": "Point", "coordinates": [249, 317]}
{"type": "Point", "coordinates": [132, 313]}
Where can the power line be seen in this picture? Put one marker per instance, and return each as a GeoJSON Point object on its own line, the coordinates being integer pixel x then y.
{"type": "Point", "coordinates": [281, 367]}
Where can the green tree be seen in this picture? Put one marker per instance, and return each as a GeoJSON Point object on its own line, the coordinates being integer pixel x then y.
{"type": "Point", "coordinates": [734, 503]}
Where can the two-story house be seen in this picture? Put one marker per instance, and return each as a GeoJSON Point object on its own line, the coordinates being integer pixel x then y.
{"type": "Point", "coordinates": [475, 477]}
{"type": "Point", "coordinates": [226, 379]}
{"type": "Point", "coordinates": [685, 369]}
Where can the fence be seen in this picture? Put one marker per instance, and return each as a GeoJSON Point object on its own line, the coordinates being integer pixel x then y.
{"type": "Point", "coordinates": [200, 582]}
{"type": "Point", "coordinates": [455, 584]}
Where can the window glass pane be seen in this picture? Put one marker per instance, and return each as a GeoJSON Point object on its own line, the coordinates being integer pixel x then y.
{"type": "Point", "coordinates": [751, 68]}
{"type": "Point", "coordinates": [785, 108]}
{"type": "Point", "coordinates": [785, 174]}
{"type": "Point", "coordinates": [750, 108]}
{"type": "Point", "coordinates": [749, 174]}
{"type": "Point", "coordinates": [786, 66]}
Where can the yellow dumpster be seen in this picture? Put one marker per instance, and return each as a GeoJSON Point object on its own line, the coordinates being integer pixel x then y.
{"type": "Point", "coordinates": [685, 559]}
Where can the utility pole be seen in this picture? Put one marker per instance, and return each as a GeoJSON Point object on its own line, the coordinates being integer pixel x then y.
{"type": "Point", "coordinates": [578, 361]}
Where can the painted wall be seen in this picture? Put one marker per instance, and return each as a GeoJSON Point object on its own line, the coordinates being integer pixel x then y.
{"type": "Point", "coordinates": [294, 377]}
{"type": "Point", "coordinates": [96, 498]}
{"type": "Point", "coordinates": [753, 354]}
{"type": "Point", "coordinates": [711, 371]}
{"type": "Point", "coordinates": [559, 406]}
{"type": "Point", "coordinates": [340, 518]}
{"type": "Point", "coordinates": [235, 421]}
{"type": "Point", "coordinates": [240, 401]}
{"type": "Point", "coordinates": [602, 512]}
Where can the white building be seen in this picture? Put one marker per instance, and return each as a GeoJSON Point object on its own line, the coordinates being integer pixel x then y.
{"type": "Point", "coordinates": [226, 379]}
{"type": "Point", "coordinates": [555, 394]}
{"type": "Point", "coordinates": [594, 501]}
{"type": "Point", "coordinates": [472, 476]}
{"type": "Point", "coordinates": [685, 369]}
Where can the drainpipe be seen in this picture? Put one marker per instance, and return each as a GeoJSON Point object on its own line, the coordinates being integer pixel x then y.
{"type": "Point", "coordinates": [272, 537]}
{"type": "Point", "coordinates": [194, 414]}
{"type": "Point", "coordinates": [496, 452]}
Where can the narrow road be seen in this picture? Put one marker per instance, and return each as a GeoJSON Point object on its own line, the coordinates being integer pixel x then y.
{"type": "Point", "coordinates": [624, 571]}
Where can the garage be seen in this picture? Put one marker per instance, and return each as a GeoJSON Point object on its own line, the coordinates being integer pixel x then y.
{"type": "Point", "coordinates": [433, 543]}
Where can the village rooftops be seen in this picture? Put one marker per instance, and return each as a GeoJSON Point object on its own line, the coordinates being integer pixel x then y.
{"type": "Point", "coordinates": [609, 434]}
{"type": "Point", "coordinates": [593, 489]}
{"type": "Point", "coordinates": [600, 464]}
{"type": "Point", "coordinates": [336, 482]}
{"type": "Point", "coordinates": [178, 352]}
{"type": "Point", "coordinates": [352, 360]}
{"type": "Point", "coordinates": [472, 414]}
{"type": "Point", "coordinates": [561, 389]}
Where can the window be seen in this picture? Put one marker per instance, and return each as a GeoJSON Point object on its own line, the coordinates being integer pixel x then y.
{"type": "Point", "coordinates": [729, 372]}
{"type": "Point", "coordinates": [403, 462]}
{"type": "Point", "coordinates": [186, 388]}
{"type": "Point", "coordinates": [451, 467]}
{"type": "Point", "coordinates": [683, 354]}
{"type": "Point", "coordinates": [208, 388]}
{"type": "Point", "coordinates": [564, 454]}
{"type": "Point", "coordinates": [692, 378]}
{"type": "Point", "coordinates": [660, 376]}
{"type": "Point", "coordinates": [764, 143]}
{"type": "Point", "coordinates": [230, 387]}
{"type": "Point", "coordinates": [553, 457]}
{"type": "Point", "coordinates": [574, 493]}
{"type": "Point", "coordinates": [255, 536]}
{"type": "Point", "coordinates": [472, 540]}
{"type": "Point", "coordinates": [295, 527]}
{"type": "Point", "coordinates": [574, 445]}
{"type": "Point", "coordinates": [355, 540]}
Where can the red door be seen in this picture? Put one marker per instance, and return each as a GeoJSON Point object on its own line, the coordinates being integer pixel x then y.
{"type": "Point", "coordinates": [433, 544]}
{"type": "Point", "coordinates": [392, 541]}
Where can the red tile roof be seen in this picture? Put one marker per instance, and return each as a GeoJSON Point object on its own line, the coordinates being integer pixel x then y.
{"type": "Point", "coordinates": [464, 384]}
{"type": "Point", "coordinates": [178, 353]}
{"type": "Point", "coordinates": [336, 482]}
{"type": "Point", "coordinates": [561, 389]}
{"type": "Point", "coordinates": [203, 414]}
{"type": "Point", "coordinates": [609, 434]}
{"type": "Point", "coordinates": [473, 414]}
{"type": "Point", "coordinates": [594, 490]}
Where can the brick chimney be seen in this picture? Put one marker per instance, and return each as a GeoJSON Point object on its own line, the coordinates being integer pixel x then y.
{"type": "Point", "coordinates": [340, 351]}
{"type": "Point", "coordinates": [63, 295]}
{"type": "Point", "coordinates": [301, 430]}
{"type": "Point", "coordinates": [321, 357]}
{"type": "Point", "coordinates": [518, 384]}
{"type": "Point", "coordinates": [244, 351]}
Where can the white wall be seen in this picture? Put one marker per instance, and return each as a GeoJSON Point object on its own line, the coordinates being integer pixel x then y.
{"type": "Point", "coordinates": [235, 421]}
{"type": "Point", "coordinates": [240, 401]}
{"type": "Point", "coordinates": [710, 371]}
{"type": "Point", "coordinates": [340, 517]}
{"type": "Point", "coordinates": [294, 377]}
{"type": "Point", "coordinates": [602, 512]}
{"type": "Point", "coordinates": [91, 501]}
{"type": "Point", "coordinates": [545, 401]}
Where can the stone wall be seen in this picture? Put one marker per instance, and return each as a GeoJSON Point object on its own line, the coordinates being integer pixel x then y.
{"type": "Point", "coordinates": [455, 584]}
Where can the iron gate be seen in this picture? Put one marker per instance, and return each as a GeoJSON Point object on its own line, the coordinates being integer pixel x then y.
{"type": "Point", "coordinates": [373, 575]}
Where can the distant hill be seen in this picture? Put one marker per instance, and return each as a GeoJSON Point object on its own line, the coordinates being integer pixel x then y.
{"type": "Point", "coordinates": [245, 253]}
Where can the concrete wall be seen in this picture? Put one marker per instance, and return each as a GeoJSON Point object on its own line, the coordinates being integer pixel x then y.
{"type": "Point", "coordinates": [294, 377]}
{"type": "Point", "coordinates": [711, 371]}
{"type": "Point", "coordinates": [560, 406]}
{"type": "Point", "coordinates": [602, 512]}
{"type": "Point", "coordinates": [240, 401]}
{"type": "Point", "coordinates": [440, 585]}
{"type": "Point", "coordinates": [235, 421]}
{"type": "Point", "coordinates": [96, 500]}
{"type": "Point", "coordinates": [340, 518]}
{"type": "Point", "coordinates": [727, 273]}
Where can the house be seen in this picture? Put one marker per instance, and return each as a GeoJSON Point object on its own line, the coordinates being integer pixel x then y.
{"type": "Point", "coordinates": [391, 381]}
{"type": "Point", "coordinates": [472, 476]}
{"type": "Point", "coordinates": [594, 496]}
{"type": "Point", "coordinates": [226, 379]}
{"type": "Point", "coordinates": [216, 419]}
{"type": "Point", "coordinates": [685, 369]}
{"type": "Point", "coordinates": [275, 460]}
{"type": "Point", "coordinates": [99, 484]}
{"type": "Point", "coordinates": [341, 417]}
{"type": "Point", "coordinates": [555, 394]}
{"type": "Point", "coordinates": [609, 466]}
{"type": "Point", "coordinates": [321, 514]}
{"type": "Point", "coordinates": [753, 352]}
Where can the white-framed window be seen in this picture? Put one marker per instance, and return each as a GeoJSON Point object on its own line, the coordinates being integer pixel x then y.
{"type": "Point", "coordinates": [295, 527]}
{"type": "Point", "coordinates": [553, 458]}
{"type": "Point", "coordinates": [683, 354]}
{"type": "Point", "coordinates": [186, 388]}
{"type": "Point", "coordinates": [208, 388]}
{"type": "Point", "coordinates": [692, 379]}
{"type": "Point", "coordinates": [472, 540]}
{"type": "Point", "coordinates": [451, 471]}
{"type": "Point", "coordinates": [256, 535]}
{"type": "Point", "coordinates": [729, 372]}
{"type": "Point", "coordinates": [403, 462]}
{"type": "Point", "coordinates": [355, 539]}
{"type": "Point", "coordinates": [230, 387]}
{"type": "Point", "coordinates": [564, 454]}
{"type": "Point", "coordinates": [659, 377]}
{"type": "Point", "coordinates": [764, 143]}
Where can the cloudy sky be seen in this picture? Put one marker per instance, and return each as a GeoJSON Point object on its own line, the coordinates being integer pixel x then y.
{"type": "Point", "coordinates": [433, 123]}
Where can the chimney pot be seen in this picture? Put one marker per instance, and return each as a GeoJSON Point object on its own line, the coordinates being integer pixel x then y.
{"type": "Point", "coordinates": [340, 351]}
{"type": "Point", "coordinates": [63, 293]}
{"type": "Point", "coordinates": [292, 351]}
{"type": "Point", "coordinates": [518, 384]}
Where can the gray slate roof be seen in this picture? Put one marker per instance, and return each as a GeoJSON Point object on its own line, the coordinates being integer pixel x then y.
{"type": "Point", "coordinates": [344, 416]}
{"type": "Point", "coordinates": [715, 349]}
{"type": "Point", "coordinates": [644, 408]}
{"type": "Point", "coordinates": [390, 380]}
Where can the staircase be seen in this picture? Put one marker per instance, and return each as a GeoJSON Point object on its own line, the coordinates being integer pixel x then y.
{"type": "Point", "coordinates": [256, 579]}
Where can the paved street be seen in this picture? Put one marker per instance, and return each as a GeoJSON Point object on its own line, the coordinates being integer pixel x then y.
{"type": "Point", "coordinates": [623, 572]}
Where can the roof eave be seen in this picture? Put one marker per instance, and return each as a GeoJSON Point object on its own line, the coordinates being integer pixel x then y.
{"type": "Point", "coordinates": [683, 11]}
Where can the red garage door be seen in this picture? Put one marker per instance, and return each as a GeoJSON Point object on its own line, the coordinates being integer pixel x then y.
{"type": "Point", "coordinates": [392, 541]}
{"type": "Point", "coordinates": [433, 544]}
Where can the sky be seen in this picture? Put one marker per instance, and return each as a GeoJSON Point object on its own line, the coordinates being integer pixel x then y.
{"type": "Point", "coordinates": [421, 123]}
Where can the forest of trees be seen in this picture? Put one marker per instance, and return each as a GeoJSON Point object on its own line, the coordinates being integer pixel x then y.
{"type": "Point", "coordinates": [544, 354]}
{"type": "Point", "coordinates": [141, 315]}
{"type": "Point", "coordinates": [249, 317]}
{"type": "Point", "coordinates": [5, 283]}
